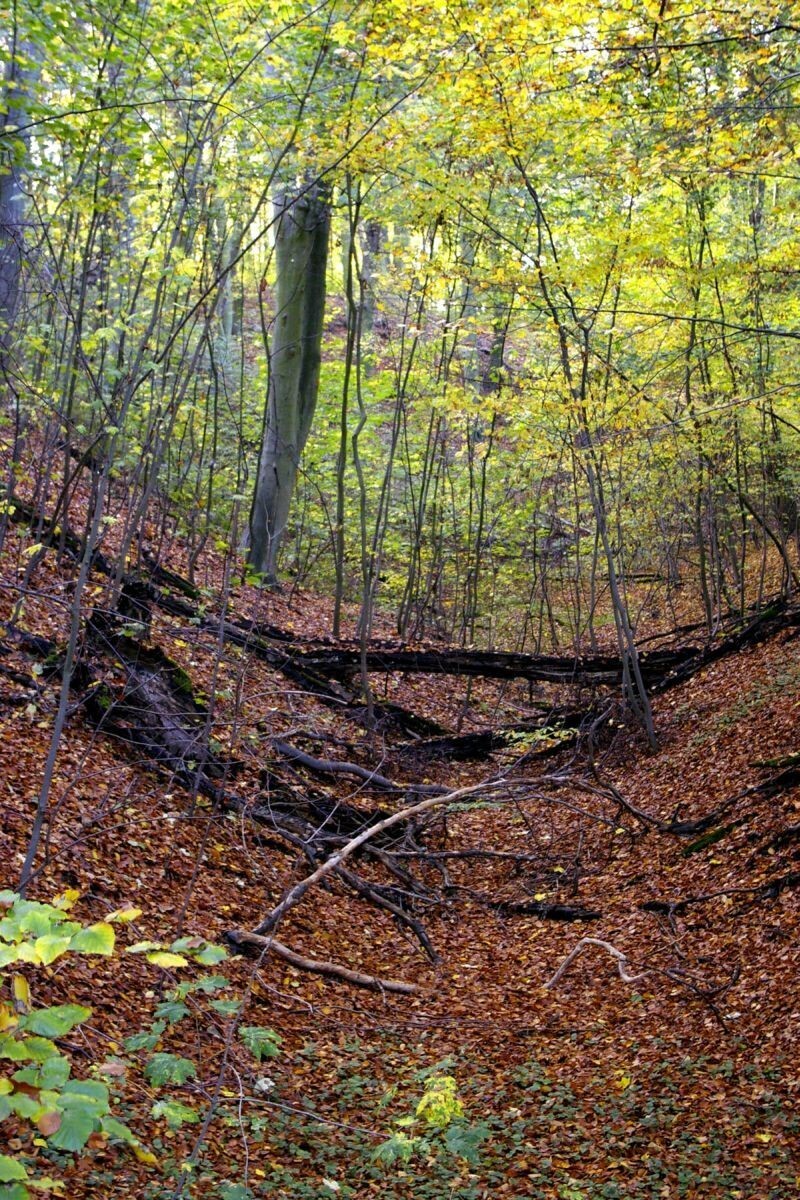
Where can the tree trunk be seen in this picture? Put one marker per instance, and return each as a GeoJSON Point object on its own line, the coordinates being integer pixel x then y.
{"type": "Point", "coordinates": [301, 250]}
{"type": "Point", "coordinates": [21, 75]}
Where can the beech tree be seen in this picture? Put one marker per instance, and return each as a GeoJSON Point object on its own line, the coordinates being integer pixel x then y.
{"type": "Point", "coordinates": [302, 234]}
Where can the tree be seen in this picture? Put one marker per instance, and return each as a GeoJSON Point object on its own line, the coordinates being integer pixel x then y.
{"type": "Point", "coordinates": [301, 254]}
{"type": "Point", "coordinates": [22, 68]}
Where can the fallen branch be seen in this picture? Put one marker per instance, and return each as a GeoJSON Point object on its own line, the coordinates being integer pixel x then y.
{"type": "Point", "coordinates": [762, 891]}
{"type": "Point", "coordinates": [332, 766]}
{"type": "Point", "coordinates": [544, 909]}
{"type": "Point", "coordinates": [621, 960]}
{"type": "Point", "coordinates": [240, 940]}
{"type": "Point", "coordinates": [295, 894]}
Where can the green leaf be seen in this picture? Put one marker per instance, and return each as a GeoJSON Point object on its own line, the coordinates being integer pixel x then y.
{"type": "Point", "coordinates": [50, 946]}
{"type": "Point", "coordinates": [147, 1040]}
{"type": "Point", "coordinates": [210, 955]}
{"type": "Point", "coordinates": [169, 1068]}
{"type": "Point", "coordinates": [465, 1140]}
{"type": "Point", "coordinates": [14, 1191]}
{"type": "Point", "coordinates": [30, 1049]}
{"type": "Point", "coordinates": [226, 1008]}
{"type": "Point", "coordinates": [24, 1106]}
{"type": "Point", "coordinates": [56, 1021]}
{"type": "Point", "coordinates": [77, 1124]}
{"type": "Point", "coordinates": [116, 1129]}
{"type": "Point", "coordinates": [262, 1043]}
{"type": "Point", "coordinates": [55, 1072]}
{"type": "Point", "coordinates": [10, 1169]}
{"type": "Point", "coordinates": [172, 1011]}
{"type": "Point", "coordinates": [94, 939]}
{"type": "Point", "coordinates": [86, 1091]}
{"type": "Point", "coordinates": [398, 1147]}
{"type": "Point", "coordinates": [174, 1113]}
{"type": "Point", "coordinates": [214, 983]}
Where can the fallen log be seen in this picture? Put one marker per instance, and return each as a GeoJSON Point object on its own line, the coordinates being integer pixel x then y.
{"type": "Point", "coordinates": [341, 662]}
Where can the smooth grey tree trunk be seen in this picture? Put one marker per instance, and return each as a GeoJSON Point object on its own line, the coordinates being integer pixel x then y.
{"type": "Point", "coordinates": [301, 253]}
{"type": "Point", "coordinates": [21, 75]}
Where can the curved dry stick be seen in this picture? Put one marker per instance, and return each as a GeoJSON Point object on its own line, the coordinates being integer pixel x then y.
{"type": "Point", "coordinates": [318, 966]}
{"type": "Point", "coordinates": [621, 959]}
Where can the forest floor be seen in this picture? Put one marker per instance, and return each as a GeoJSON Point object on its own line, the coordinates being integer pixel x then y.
{"type": "Point", "coordinates": [683, 1082]}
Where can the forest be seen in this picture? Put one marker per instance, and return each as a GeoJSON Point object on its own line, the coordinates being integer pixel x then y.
{"type": "Point", "coordinates": [399, 615]}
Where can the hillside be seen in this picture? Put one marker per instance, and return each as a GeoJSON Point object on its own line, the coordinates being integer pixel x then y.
{"type": "Point", "coordinates": [669, 1073]}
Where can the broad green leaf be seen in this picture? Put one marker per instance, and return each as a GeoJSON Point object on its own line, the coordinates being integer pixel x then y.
{"type": "Point", "coordinates": [15, 1191]}
{"type": "Point", "coordinates": [94, 939]}
{"type": "Point", "coordinates": [172, 1011]}
{"type": "Point", "coordinates": [86, 1090]}
{"type": "Point", "coordinates": [51, 946]}
{"type": "Point", "coordinates": [10, 1169]}
{"type": "Point", "coordinates": [210, 955]}
{"type": "Point", "coordinates": [56, 1021]}
{"type": "Point", "coordinates": [226, 1008]}
{"type": "Point", "coordinates": [116, 1129]}
{"type": "Point", "coordinates": [24, 1106]}
{"type": "Point", "coordinates": [29, 1049]}
{"type": "Point", "coordinates": [262, 1043]}
{"type": "Point", "coordinates": [51, 1075]}
{"type": "Point", "coordinates": [213, 983]}
{"type": "Point", "coordinates": [169, 1068]}
{"type": "Point", "coordinates": [174, 1113]}
{"type": "Point", "coordinates": [77, 1125]}
{"type": "Point", "coordinates": [148, 1040]}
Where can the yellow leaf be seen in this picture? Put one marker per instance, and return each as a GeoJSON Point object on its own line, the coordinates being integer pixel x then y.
{"type": "Point", "coordinates": [22, 994]}
{"type": "Point", "coordinates": [145, 1156]}
{"type": "Point", "coordinates": [540, 896]}
{"type": "Point", "coordinates": [66, 899]}
{"type": "Point", "coordinates": [123, 915]}
{"type": "Point", "coordinates": [165, 958]}
{"type": "Point", "coordinates": [764, 1137]}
